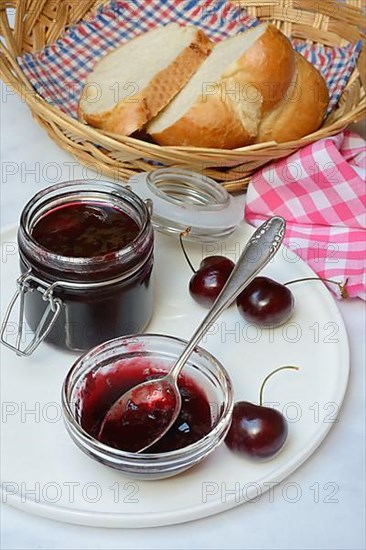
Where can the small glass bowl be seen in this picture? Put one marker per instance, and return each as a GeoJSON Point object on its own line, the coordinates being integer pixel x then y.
{"type": "Point", "coordinates": [202, 367]}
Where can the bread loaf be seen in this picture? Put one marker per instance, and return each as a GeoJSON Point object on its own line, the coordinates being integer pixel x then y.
{"type": "Point", "coordinates": [132, 84]}
{"type": "Point", "coordinates": [185, 91]}
{"type": "Point", "coordinates": [302, 109]}
{"type": "Point", "coordinates": [222, 105]}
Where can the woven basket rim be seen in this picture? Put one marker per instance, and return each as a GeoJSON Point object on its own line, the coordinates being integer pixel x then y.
{"type": "Point", "coordinates": [59, 123]}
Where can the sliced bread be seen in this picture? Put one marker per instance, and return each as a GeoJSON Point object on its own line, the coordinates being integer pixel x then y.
{"type": "Point", "coordinates": [133, 83]}
{"type": "Point", "coordinates": [222, 104]}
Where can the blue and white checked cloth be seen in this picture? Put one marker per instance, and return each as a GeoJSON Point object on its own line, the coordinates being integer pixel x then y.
{"type": "Point", "coordinates": [59, 71]}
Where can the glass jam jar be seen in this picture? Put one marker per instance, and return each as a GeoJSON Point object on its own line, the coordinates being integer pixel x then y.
{"type": "Point", "coordinates": [78, 296]}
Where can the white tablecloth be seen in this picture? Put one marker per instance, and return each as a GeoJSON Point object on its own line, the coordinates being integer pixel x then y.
{"type": "Point", "coordinates": [30, 161]}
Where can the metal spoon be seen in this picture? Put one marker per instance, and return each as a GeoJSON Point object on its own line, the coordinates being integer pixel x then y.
{"type": "Point", "coordinates": [153, 406]}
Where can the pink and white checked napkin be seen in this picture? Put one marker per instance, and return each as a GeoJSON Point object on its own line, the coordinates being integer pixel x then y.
{"type": "Point", "coordinates": [320, 191]}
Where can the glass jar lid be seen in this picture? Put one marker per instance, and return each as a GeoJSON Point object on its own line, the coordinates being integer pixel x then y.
{"type": "Point", "coordinates": [182, 198]}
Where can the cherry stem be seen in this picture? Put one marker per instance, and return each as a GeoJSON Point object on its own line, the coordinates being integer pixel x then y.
{"type": "Point", "coordinates": [184, 234]}
{"type": "Point", "coordinates": [342, 287]}
{"type": "Point", "coordinates": [287, 367]}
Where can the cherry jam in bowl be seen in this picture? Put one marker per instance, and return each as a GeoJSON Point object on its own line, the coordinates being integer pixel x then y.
{"type": "Point", "coordinates": [101, 376]}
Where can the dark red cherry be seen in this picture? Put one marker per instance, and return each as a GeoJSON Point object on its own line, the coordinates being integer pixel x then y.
{"type": "Point", "coordinates": [256, 431]}
{"type": "Point", "coordinates": [266, 302]}
{"type": "Point", "coordinates": [207, 283]}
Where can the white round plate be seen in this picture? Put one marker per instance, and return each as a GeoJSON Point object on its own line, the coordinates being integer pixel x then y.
{"type": "Point", "coordinates": [43, 472]}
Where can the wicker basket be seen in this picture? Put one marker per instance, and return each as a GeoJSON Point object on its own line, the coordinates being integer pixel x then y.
{"type": "Point", "coordinates": [41, 22]}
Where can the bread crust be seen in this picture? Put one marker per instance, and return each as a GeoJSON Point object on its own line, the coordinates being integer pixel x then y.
{"type": "Point", "coordinates": [303, 109]}
{"type": "Point", "coordinates": [268, 66]}
{"type": "Point", "coordinates": [227, 119]}
{"type": "Point", "coordinates": [132, 114]}
{"type": "Point", "coordinates": [213, 124]}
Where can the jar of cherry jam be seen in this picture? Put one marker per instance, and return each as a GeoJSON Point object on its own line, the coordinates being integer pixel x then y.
{"type": "Point", "coordinates": [86, 258]}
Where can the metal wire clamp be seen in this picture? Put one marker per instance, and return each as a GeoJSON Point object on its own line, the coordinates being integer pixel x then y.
{"type": "Point", "coordinates": [28, 283]}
